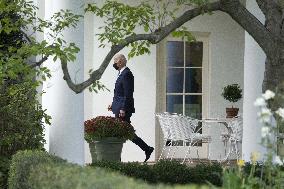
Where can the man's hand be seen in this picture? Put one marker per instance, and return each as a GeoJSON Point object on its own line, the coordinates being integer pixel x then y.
{"type": "Point", "coordinates": [121, 113]}
{"type": "Point", "coordinates": [109, 108]}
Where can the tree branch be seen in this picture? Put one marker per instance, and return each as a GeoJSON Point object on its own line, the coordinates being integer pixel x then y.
{"type": "Point", "coordinates": [234, 8]}
{"type": "Point", "coordinates": [266, 5]}
{"type": "Point", "coordinates": [266, 40]}
{"type": "Point", "coordinates": [185, 17]}
{"type": "Point", "coordinates": [273, 15]}
{"type": "Point", "coordinates": [35, 64]}
{"type": "Point", "coordinates": [26, 36]}
{"type": "Point", "coordinates": [154, 38]}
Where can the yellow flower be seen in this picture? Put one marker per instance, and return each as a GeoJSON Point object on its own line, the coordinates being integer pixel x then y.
{"type": "Point", "coordinates": [241, 163]}
{"type": "Point", "coordinates": [254, 157]}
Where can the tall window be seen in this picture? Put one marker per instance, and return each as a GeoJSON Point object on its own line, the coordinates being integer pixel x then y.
{"type": "Point", "coordinates": [184, 78]}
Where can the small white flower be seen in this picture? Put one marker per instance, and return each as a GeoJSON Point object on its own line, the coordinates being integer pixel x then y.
{"type": "Point", "coordinates": [265, 119]}
{"type": "Point", "coordinates": [264, 115]}
{"type": "Point", "coordinates": [265, 131]}
{"type": "Point", "coordinates": [268, 95]}
{"type": "Point", "coordinates": [265, 111]}
{"type": "Point", "coordinates": [259, 102]}
{"type": "Point", "coordinates": [280, 112]}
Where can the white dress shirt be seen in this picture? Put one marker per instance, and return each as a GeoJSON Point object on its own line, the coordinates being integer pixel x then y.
{"type": "Point", "coordinates": [121, 70]}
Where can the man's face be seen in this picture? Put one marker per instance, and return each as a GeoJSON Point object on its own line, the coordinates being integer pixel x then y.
{"type": "Point", "coordinates": [118, 63]}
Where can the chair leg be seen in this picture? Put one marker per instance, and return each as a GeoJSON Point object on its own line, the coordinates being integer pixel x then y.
{"type": "Point", "coordinates": [230, 149]}
{"type": "Point", "coordinates": [187, 152]}
{"type": "Point", "coordinates": [162, 153]}
{"type": "Point", "coordinates": [170, 147]}
{"type": "Point", "coordinates": [165, 142]}
{"type": "Point", "coordinates": [237, 150]}
{"type": "Point", "coordinates": [174, 152]}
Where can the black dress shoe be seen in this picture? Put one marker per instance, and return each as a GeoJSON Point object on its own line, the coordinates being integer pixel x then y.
{"type": "Point", "coordinates": [148, 153]}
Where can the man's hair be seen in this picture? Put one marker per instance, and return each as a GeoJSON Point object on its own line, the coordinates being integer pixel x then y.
{"type": "Point", "coordinates": [121, 57]}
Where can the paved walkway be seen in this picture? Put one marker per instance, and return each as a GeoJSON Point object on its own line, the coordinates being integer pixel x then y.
{"type": "Point", "coordinates": [198, 161]}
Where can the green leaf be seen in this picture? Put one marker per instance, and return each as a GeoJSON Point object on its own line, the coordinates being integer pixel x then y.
{"type": "Point", "coordinates": [54, 58]}
{"type": "Point", "coordinates": [146, 28]}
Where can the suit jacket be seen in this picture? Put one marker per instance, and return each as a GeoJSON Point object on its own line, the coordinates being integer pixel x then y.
{"type": "Point", "coordinates": [123, 92]}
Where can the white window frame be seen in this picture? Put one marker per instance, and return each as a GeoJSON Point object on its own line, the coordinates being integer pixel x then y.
{"type": "Point", "coordinates": [161, 72]}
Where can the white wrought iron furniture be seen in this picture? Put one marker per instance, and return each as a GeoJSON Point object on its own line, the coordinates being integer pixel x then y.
{"type": "Point", "coordinates": [232, 137]}
{"type": "Point", "coordinates": [235, 137]}
{"type": "Point", "coordinates": [180, 128]}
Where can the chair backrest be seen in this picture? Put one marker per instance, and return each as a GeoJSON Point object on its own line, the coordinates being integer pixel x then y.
{"type": "Point", "coordinates": [177, 127]}
{"type": "Point", "coordinates": [236, 125]}
{"type": "Point", "coordinates": [164, 121]}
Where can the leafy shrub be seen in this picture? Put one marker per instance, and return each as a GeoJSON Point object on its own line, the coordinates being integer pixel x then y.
{"type": "Point", "coordinates": [172, 172]}
{"type": "Point", "coordinates": [258, 171]}
{"type": "Point", "coordinates": [232, 92]}
{"type": "Point", "coordinates": [4, 168]}
{"type": "Point", "coordinates": [169, 172]}
{"type": "Point", "coordinates": [39, 170]}
{"type": "Point", "coordinates": [23, 162]}
{"type": "Point", "coordinates": [211, 173]}
{"type": "Point", "coordinates": [21, 123]}
{"type": "Point", "coordinates": [132, 169]}
{"type": "Point", "coordinates": [21, 114]}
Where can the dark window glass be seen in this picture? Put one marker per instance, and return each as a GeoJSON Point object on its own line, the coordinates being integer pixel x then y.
{"type": "Point", "coordinates": [175, 80]}
{"type": "Point", "coordinates": [193, 80]}
{"type": "Point", "coordinates": [175, 104]}
{"type": "Point", "coordinates": [193, 106]}
{"type": "Point", "coordinates": [175, 51]}
{"type": "Point", "coordinates": [194, 54]}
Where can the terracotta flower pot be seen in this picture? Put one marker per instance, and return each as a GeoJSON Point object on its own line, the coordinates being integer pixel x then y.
{"type": "Point", "coordinates": [232, 112]}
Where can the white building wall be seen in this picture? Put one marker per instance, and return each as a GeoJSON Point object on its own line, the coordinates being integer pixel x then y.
{"type": "Point", "coordinates": [66, 137]}
{"type": "Point", "coordinates": [226, 67]}
{"type": "Point", "coordinates": [39, 37]}
{"type": "Point", "coordinates": [253, 76]}
{"type": "Point", "coordinates": [225, 57]}
{"type": "Point", "coordinates": [226, 64]}
{"type": "Point", "coordinates": [230, 62]}
{"type": "Point", "coordinates": [144, 71]}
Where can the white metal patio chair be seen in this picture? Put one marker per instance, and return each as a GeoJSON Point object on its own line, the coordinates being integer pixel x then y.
{"type": "Point", "coordinates": [183, 128]}
{"type": "Point", "coordinates": [165, 124]}
{"type": "Point", "coordinates": [179, 128]}
{"type": "Point", "coordinates": [235, 137]}
{"type": "Point", "coordinates": [175, 128]}
{"type": "Point", "coordinates": [197, 137]}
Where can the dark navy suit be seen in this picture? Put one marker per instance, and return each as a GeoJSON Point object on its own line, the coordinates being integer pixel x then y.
{"type": "Point", "coordinates": [123, 93]}
{"type": "Point", "coordinates": [123, 100]}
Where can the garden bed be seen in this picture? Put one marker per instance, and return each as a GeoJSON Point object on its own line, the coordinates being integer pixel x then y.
{"type": "Point", "coordinates": [38, 170]}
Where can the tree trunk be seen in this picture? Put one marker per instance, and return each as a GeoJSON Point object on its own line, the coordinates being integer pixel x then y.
{"type": "Point", "coordinates": [274, 69]}
{"type": "Point", "coordinates": [274, 65]}
{"type": "Point", "coordinates": [274, 74]}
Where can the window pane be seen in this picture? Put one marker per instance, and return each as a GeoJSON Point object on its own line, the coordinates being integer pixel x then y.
{"type": "Point", "coordinates": [193, 106]}
{"type": "Point", "coordinates": [194, 53]}
{"type": "Point", "coordinates": [175, 52]}
{"type": "Point", "coordinates": [193, 80]}
{"type": "Point", "coordinates": [175, 80]}
{"type": "Point", "coordinates": [174, 104]}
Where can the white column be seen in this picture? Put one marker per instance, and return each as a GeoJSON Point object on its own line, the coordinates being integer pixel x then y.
{"type": "Point", "coordinates": [254, 65]}
{"type": "Point", "coordinates": [66, 136]}
{"type": "Point", "coordinates": [89, 59]}
{"type": "Point", "coordinates": [39, 37]}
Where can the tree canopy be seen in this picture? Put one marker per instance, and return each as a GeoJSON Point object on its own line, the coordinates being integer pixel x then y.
{"type": "Point", "coordinates": [157, 18]}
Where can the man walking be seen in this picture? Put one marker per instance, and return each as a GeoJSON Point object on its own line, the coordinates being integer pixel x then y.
{"type": "Point", "coordinates": [123, 103]}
